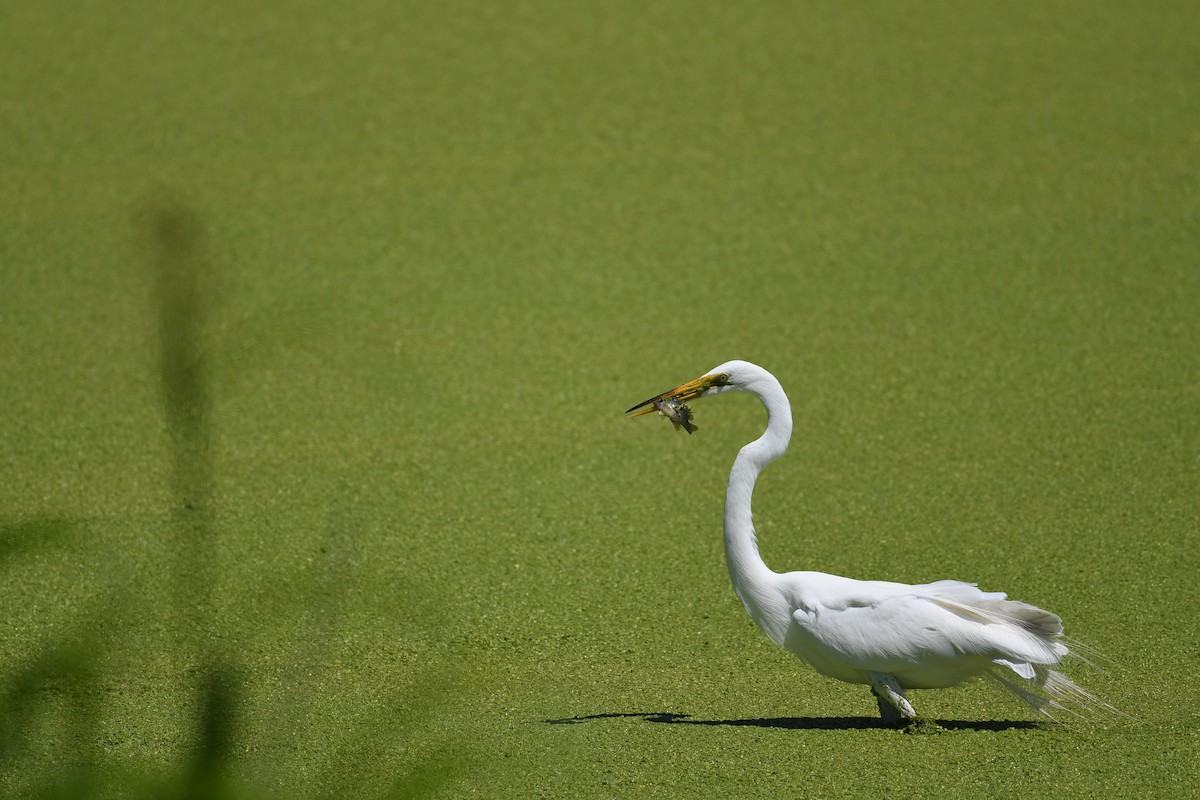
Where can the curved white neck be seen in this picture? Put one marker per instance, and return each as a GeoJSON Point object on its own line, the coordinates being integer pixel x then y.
{"type": "Point", "coordinates": [741, 545]}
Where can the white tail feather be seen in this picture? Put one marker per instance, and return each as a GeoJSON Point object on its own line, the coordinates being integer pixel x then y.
{"type": "Point", "coordinates": [1022, 668]}
{"type": "Point", "coordinates": [1050, 691]}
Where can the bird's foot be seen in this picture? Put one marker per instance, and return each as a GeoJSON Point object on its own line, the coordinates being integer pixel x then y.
{"type": "Point", "coordinates": [921, 725]}
{"type": "Point", "coordinates": [914, 724]}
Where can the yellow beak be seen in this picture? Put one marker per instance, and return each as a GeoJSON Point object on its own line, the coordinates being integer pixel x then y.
{"type": "Point", "coordinates": [680, 394]}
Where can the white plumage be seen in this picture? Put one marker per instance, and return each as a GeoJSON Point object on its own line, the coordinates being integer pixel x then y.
{"type": "Point", "coordinates": [889, 636]}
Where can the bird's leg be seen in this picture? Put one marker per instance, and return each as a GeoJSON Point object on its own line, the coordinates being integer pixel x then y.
{"type": "Point", "coordinates": [895, 708]}
{"type": "Point", "coordinates": [888, 712]}
{"type": "Point", "coordinates": [893, 705]}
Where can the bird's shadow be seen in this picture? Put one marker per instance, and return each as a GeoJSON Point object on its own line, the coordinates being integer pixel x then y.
{"type": "Point", "coordinates": [797, 723]}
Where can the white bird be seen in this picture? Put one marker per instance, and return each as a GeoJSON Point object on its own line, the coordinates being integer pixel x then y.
{"type": "Point", "coordinates": [889, 636]}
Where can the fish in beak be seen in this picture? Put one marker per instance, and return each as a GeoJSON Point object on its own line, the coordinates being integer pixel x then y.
{"type": "Point", "coordinates": [671, 404]}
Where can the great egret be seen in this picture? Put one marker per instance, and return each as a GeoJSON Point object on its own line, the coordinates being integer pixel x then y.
{"type": "Point", "coordinates": [889, 636]}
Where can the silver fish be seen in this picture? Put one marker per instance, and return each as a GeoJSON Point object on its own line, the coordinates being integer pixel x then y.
{"type": "Point", "coordinates": [679, 414]}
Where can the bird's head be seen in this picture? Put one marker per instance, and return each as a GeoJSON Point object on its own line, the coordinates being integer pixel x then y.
{"type": "Point", "coordinates": [732, 375]}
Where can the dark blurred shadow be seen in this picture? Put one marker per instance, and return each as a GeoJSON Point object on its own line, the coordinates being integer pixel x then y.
{"type": "Point", "coordinates": [207, 776]}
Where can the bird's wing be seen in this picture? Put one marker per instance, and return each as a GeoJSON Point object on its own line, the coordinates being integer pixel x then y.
{"type": "Point", "coordinates": [991, 607]}
{"type": "Point", "coordinates": [889, 627]}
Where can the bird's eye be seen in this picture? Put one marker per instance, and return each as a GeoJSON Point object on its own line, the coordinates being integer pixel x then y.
{"type": "Point", "coordinates": [723, 377]}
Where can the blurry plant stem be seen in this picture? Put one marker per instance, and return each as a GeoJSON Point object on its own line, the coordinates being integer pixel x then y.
{"type": "Point", "coordinates": [180, 272]}
{"type": "Point", "coordinates": [179, 269]}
